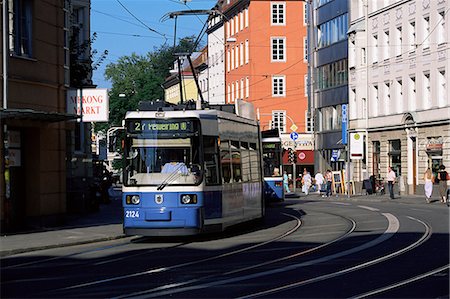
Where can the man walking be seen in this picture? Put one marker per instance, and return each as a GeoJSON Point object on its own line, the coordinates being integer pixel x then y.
{"type": "Point", "coordinates": [391, 181]}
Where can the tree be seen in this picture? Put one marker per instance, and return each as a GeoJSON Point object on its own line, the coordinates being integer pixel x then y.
{"type": "Point", "coordinates": [140, 78]}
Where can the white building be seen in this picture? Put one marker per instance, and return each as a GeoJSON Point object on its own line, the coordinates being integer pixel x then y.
{"type": "Point", "coordinates": [216, 61]}
{"type": "Point", "coordinates": [399, 61]}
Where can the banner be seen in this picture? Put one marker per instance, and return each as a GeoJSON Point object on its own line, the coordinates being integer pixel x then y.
{"type": "Point", "coordinates": [90, 103]}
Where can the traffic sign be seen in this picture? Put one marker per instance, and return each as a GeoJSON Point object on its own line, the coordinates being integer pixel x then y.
{"type": "Point", "coordinates": [294, 128]}
{"type": "Point", "coordinates": [294, 136]}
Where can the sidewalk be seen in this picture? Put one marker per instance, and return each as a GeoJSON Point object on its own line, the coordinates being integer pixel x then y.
{"type": "Point", "coordinates": [79, 229]}
{"type": "Point", "coordinates": [107, 224]}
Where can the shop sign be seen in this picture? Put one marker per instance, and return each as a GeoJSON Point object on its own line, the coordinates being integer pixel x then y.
{"type": "Point", "coordinates": [90, 103]}
{"type": "Point", "coordinates": [435, 144]}
{"type": "Point", "coordinates": [302, 142]}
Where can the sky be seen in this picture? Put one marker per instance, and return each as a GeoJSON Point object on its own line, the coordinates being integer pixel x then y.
{"type": "Point", "coordinates": [127, 26]}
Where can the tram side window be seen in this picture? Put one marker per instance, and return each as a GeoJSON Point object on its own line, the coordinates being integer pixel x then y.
{"type": "Point", "coordinates": [236, 161]}
{"type": "Point", "coordinates": [245, 158]}
{"type": "Point", "coordinates": [211, 160]}
{"type": "Point", "coordinates": [225, 161]}
{"type": "Point", "coordinates": [254, 163]}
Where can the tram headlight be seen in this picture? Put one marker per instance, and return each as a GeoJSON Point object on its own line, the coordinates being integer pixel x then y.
{"type": "Point", "coordinates": [188, 199]}
{"type": "Point", "coordinates": [133, 199]}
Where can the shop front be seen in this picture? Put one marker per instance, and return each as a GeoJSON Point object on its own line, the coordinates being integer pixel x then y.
{"type": "Point", "coordinates": [303, 156]}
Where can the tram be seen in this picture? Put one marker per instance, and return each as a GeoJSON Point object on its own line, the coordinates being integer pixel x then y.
{"type": "Point", "coordinates": [272, 166]}
{"type": "Point", "coordinates": [188, 172]}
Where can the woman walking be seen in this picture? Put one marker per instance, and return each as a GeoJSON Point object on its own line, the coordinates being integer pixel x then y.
{"type": "Point", "coordinates": [429, 180]}
{"type": "Point", "coordinates": [442, 177]}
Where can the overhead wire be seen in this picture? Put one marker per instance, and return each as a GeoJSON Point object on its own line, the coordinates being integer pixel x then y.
{"type": "Point", "coordinates": [137, 19]}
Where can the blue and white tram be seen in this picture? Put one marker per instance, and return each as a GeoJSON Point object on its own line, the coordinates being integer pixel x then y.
{"type": "Point", "coordinates": [189, 172]}
{"type": "Point", "coordinates": [272, 166]}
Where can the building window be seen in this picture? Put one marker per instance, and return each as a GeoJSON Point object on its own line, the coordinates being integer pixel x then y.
{"type": "Point", "coordinates": [246, 17]}
{"type": "Point", "coordinates": [278, 86]}
{"type": "Point", "coordinates": [375, 102]}
{"type": "Point", "coordinates": [426, 33]}
{"type": "Point", "coordinates": [228, 60]}
{"type": "Point", "coordinates": [228, 93]}
{"type": "Point", "coordinates": [305, 49]}
{"type": "Point", "coordinates": [374, 48]}
{"type": "Point", "coordinates": [386, 46]}
{"type": "Point", "coordinates": [278, 48]}
{"type": "Point", "coordinates": [279, 120]}
{"type": "Point", "coordinates": [232, 58]}
{"type": "Point", "coordinates": [305, 14]}
{"type": "Point", "coordinates": [241, 21]}
{"type": "Point", "coordinates": [441, 28]}
{"type": "Point", "coordinates": [332, 31]}
{"type": "Point", "coordinates": [236, 56]}
{"type": "Point", "coordinates": [241, 54]}
{"type": "Point", "coordinates": [376, 159]}
{"type": "Point", "coordinates": [305, 85]}
{"type": "Point", "coordinates": [247, 86]}
{"type": "Point", "coordinates": [66, 43]}
{"type": "Point", "coordinates": [333, 74]}
{"type": "Point", "coordinates": [232, 92]}
{"type": "Point", "coordinates": [412, 36]}
{"type": "Point", "coordinates": [21, 30]}
{"type": "Point", "coordinates": [442, 92]}
{"type": "Point", "coordinates": [242, 88]}
{"type": "Point", "coordinates": [246, 52]}
{"type": "Point", "coordinates": [308, 118]}
{"type": "Point", "coordinates": [278, 13]}
{"type": "Point", "coordinates": [395, 156]}
{"type": "Point", "coordinates": [231, 27]}
{"type": "Point", "coordinates": [399, 41]}
{"type": "Point", "coordinates": [427, 103]}
{"type": "Point", "coordinates": [412, 93]}
{"type": "Point", "coordinates": [363, 56]}
{"type": "Point", "coordinates": [399, 94]}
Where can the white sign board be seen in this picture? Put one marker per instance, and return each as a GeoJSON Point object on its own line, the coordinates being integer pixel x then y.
{"type": "Point", "coordinates": [90, 103]}
{"type": "Point", "coordinates": [356, 146]}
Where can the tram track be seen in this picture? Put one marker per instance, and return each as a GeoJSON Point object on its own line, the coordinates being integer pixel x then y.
{"type": "Point", "coordinates": [278, 260]}
{"type": "Point", "coordinates": [426, 235]}
{"type": "Point", "coordinates": [191, 263]}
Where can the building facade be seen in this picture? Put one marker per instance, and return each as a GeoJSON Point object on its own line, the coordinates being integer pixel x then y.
{"type": "Point", "coordinates": [216, 58]}
{"type": "Point", "coordinates": [266, 62]}
{"type": "Point", "coordinates": [399, 62]}
{"type": "Point", "coordinates": [36, 132]}
{"type": "Point", "coordinates": [329, 86]}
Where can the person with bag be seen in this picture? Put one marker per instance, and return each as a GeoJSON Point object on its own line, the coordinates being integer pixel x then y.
{"type": "Point", "coordinates": [442, 176]}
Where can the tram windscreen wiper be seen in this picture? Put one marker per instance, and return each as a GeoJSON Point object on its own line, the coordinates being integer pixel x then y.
{"type": "Point", "coordinates": [171, 177]}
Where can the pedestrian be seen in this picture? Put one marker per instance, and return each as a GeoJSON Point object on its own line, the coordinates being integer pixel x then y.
{"type": "Point", "coordinates": [391, 181]}
{"type": "Point", "coordinates": [442, 176]}
{"type": "Point", "coordinates": [428, 186]}
{"type": "Point", "coordinates": [329, 179]}
{"type": "Point", "coordinates": [286, 182]}
{"type": "Point", "coordinates": [319, 181]}
{"type": "Point", "coordinates": [306, 181]}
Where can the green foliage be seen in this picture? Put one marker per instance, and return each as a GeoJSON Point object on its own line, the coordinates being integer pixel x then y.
{"type": "Point", "coordinates": [140, 78]}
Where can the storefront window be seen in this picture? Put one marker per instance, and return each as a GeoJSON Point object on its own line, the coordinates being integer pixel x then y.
{"type": "Point", "coordinates": [376, 159]}
{"type": "Point", "coordinates": [395, 156]}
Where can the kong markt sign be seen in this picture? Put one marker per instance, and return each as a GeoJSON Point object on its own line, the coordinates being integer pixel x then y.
{"type": "Point", "coordinates": [92, 104]}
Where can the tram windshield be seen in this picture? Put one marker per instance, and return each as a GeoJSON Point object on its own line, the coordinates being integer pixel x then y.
{"type": "Point", "coordinates": [163, 153]}
{"type": "Point", "coordinates": [271, 159]}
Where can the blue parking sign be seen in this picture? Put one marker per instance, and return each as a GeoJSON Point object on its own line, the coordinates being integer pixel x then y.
{"type": "Point", "coordinates": [294, 136]}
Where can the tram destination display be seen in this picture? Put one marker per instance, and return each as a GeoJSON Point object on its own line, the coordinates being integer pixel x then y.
{"type": "Point", "coordinates": [154, 126]}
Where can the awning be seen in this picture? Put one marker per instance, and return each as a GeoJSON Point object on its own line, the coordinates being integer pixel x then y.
{"type": "Point", "coordinates": [30, 114]}
{"type": "Point", "coordinates": [360, 26]}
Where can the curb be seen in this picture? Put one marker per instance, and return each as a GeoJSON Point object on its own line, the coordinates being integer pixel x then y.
{"type": "Point", "coordinates": [6, 253]}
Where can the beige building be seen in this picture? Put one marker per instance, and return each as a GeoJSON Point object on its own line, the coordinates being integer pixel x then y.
{"type": "Point", "coordinates": [38, 136]}
{"type": "Point", "coordinates": [399, 63]}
